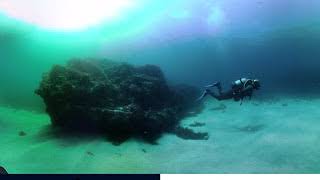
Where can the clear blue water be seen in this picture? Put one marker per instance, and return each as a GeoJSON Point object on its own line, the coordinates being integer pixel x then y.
{"type": "Point", "coordinates": [194, 42]}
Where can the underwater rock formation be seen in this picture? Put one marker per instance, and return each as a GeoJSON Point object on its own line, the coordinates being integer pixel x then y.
{"type": "Point", "coordinates": [3, 171]}
{"type": "Point", "coordinates": [114, 98]}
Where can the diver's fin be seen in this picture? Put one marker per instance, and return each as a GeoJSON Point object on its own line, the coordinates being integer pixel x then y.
{"type": "Point", "coordinates": [204, 94]}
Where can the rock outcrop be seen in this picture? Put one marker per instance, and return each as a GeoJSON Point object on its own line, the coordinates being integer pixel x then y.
{"type": "Point", "coordinates": [114, 98]}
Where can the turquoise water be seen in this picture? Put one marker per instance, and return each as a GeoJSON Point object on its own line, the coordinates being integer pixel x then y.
{"type": "Point", "coordinates": [194, 42]}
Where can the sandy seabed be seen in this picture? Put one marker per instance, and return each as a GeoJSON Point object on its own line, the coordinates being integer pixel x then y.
{"type": "Point", "coordinates": [277, 135]}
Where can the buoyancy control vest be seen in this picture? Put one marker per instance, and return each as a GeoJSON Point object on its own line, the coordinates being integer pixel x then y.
{"type": "Point", "coordinates": [240, 84]}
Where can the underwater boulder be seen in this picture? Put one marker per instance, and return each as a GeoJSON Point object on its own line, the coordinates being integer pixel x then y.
{"type": "Point", "coordinates": [117, 99]}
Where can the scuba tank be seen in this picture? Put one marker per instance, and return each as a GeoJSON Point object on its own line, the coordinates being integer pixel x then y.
{"type": "Point", "coordinates": [240, 84]}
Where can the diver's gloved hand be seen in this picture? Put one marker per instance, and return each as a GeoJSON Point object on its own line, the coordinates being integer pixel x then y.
{"type": "Point", "coordinates": [212, 85]}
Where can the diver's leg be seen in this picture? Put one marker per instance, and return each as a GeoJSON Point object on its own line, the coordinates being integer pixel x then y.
{"type": "Point", "coordinates": [218, 97]}
{"type": "Point", "coordinates": [208, 92]}
{"type": "Point", "coordinates": [219, 89]}
{"type": "Point", "coordinates": [213, 85]}
{"type": "Point", "coordinates": [222, 95]}
{"type": "Point", "coordinates": [204, 94]}
{"type": "Point", "coordinates": [212, 94]}
{"type": "Point", "coordinates": [216, 84]}
{"type": "Point", "coordinates": [225, 95]}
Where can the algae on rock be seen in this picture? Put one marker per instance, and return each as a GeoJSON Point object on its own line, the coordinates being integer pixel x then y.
{"type": "Point", "coordinates": [114, 98]}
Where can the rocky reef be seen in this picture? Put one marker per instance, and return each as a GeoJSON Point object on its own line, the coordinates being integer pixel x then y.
{"type": "Point", "coordinates": [117, 99]}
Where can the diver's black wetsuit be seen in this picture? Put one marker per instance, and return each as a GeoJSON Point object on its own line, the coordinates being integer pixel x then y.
{"type": "Point", "coordinates": [237, 92]}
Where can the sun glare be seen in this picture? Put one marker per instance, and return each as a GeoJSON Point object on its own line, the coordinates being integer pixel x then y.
{"type": "Point", "coordinates": [65, 14]}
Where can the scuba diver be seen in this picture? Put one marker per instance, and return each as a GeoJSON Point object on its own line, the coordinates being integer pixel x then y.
{"type": "Point", "coordinates": [239, 90]}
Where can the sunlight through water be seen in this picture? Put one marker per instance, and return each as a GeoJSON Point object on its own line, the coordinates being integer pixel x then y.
{"type": "Point", "coordinates": [66, 14]}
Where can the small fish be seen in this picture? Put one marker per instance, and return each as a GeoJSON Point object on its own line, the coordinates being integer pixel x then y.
{"type": "Point", "coordinates": [256, 104]}
{"type": "Point", "coordinates": [197, 124]}
{"type": "Point", "coordinates": [22, 133]}
{"type": "Point", "coordinates": [90, 153]}
{"type": "Point", "coordinates": [221, 107]}
{"type": "Point", "coordinates": [143, 150]}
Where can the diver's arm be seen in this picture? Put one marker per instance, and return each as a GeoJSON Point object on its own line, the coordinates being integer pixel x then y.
{"type": "Point", "coordinates": [248, 91]}
{"type": "Point", "coordinates": [248, 88]}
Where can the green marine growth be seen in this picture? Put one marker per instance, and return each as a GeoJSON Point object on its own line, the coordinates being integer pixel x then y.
{"type": "Point", "coordinates": [117, 99]}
